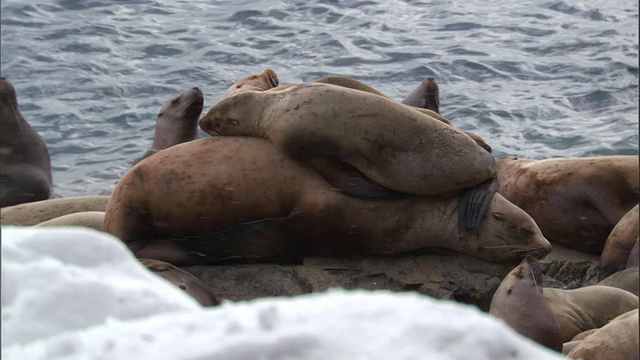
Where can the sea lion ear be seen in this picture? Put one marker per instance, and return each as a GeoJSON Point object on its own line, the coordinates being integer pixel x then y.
{"type": "Point", "coordinates": [498, 216]}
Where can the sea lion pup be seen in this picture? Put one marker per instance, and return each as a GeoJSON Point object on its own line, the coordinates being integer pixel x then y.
{"type": "Point", "coordinates": [519, 301]}
{"type": "Point", "coordinates": [182, 279]}
{"type": "Point", "coordinates": [626, 279]}
{"type": "Point", "coordinates": [177, 121]}
{"type": "Point", "coordinates": [25, 166]}
{"type": "Point", "coordinates": [238, 198]}
{"type": "Point", "coordinates": [619, 244]}
{"type": "Point", "coordinates": [576, 201]}
{"type": "Point", "coordinates": [90, 219]}
{"type": "Point", "coordinates": [40, 211]}
{"type": "Point", "coordinates": [589, 307]}
{"type": "Point", "coordinates": [391, 144]}
{"type": "Point", "coordinates": [426, 95]}
{"type": "Point", "coordinates": [615, 340]}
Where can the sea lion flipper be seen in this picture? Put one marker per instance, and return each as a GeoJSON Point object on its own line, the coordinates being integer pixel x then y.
{"type": "Point", "coordinates": [239, 243]}
{"type": "Point", "coordinates": [473, 204]}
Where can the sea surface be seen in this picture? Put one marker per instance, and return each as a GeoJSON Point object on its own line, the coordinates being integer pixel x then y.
{"type": "Point", "coordinates": [536, 79]}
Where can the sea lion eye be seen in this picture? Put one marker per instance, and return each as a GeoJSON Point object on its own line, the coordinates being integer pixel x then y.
{"type": "Point", "coordinates": [509, 291]}
{"type": "Point", "coordinates": [498, 216]}
{"type": "Point", "coordinates": [175, 101]}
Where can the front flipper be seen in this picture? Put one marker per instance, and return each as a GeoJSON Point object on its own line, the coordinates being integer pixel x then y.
{"type": "Point", "coordinates": [473, 204]}
{"type": "Point", "coordinates": [347, 179]}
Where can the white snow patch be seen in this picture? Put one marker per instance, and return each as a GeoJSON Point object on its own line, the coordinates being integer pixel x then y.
{"type": "Point", "coordinates": [70, 293]}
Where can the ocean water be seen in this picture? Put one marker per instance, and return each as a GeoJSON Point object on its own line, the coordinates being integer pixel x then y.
{"type": "Point", "coordinates": [536, 79]}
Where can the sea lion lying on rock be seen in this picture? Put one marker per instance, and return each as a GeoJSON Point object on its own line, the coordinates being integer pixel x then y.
{"type": "Point", "coordinates": [576, 201]}
{"type": "Point", "coordinates": [227, 198]}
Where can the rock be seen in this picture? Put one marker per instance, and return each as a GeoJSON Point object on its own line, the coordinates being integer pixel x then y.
{"type": "Point", "coordinates": [443, 276]}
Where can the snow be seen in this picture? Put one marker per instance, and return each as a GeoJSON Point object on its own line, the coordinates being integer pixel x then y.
{"type": "Point", "coordinates": [72, 293]}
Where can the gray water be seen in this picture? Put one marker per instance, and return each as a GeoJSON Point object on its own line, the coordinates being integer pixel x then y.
{"type": "Point", "coordinates": [536, 79]}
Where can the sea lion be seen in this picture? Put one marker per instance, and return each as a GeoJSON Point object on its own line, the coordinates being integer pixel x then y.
{"type": "Point", "coordinates": [177, 121]}
{"type": "Point", "coordinates": [182, 279]}
{"type": "Point", "coordinates": [619, 244]}
{"type": "Point", "coordinates": [589, 307]}
{"type": "Point", "coordinates": [576, 201]}
{"type": "Point", "coordinates": [426, 95]}
{"type": "Point", "coordinates": [25, 166]}
{"type": "Point", "coordinates": [226, 198]}
{"type": "Point", "coordinates": [413, 154]}
{"type": "Point", "coordinates": [626, 279]}
{"type": "Point", "coordinates": [519, 301]}
{"type": "Point", "coordinates": [41, 211]}
{"type": "Point", "coordinates": [90, 219]}
{"type": "Point", "coordinates": [430, 106]}
{"type": "Point", "coordinates": [615, 340]}
{"type": "Point", "coordinates": [267, 80]}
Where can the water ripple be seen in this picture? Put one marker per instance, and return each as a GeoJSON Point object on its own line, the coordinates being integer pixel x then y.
{"type": "Point", "coordinates": [536, 79]}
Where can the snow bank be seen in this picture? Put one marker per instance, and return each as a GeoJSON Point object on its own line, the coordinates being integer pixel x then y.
{"type": "Point", "coordinates": [79, 294]}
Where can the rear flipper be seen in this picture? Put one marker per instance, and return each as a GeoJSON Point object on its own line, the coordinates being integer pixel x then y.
{"type": "Point", "coordinates": [256, 241]}
{"type": "Point", "coordinates": [473, 204]}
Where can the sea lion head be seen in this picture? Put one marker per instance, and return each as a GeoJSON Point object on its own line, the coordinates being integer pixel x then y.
{"type": "Point", "coordinates": [507, 233]}
{"type": "Point", "coordinates": [185, 106]}
{"type": "Point", "coordinates": [7, 94]}
{"type": "Point", "coordinates": [265, 80]}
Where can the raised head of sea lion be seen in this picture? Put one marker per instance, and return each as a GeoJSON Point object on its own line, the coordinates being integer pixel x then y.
{"type": "Point", "coordinates": [426, 96]}
{"type": "Point", "coordinates": [576, 201]}
{"type": "Point", "coordinates": [588, 307]}
{"type": "Point", "coordinates": [520, 302]}
{"type": "Point", "coordinates": [262, 81]}
{"type": "Point", "coordinates": [239, 198]}
{"type": "Point", "coordinates": [25, 166]}
{"type": "Point", "coordinates": [183, 280]}
{"type": "Point", "coordinates": [177, 121]}
{"type": "Point", "coordinates": [619, 244]}
{"type": "Point", "coordinates": [391, 144]}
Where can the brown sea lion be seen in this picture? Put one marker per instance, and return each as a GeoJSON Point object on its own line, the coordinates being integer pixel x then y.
{"type": "Point", "coordinates": [619, 244]}
{"type": "Point", "coordinates": [589, 307]}
{"type": "Point", "coordinates": [25, 166]}
{"type": "Point", "coordinates": [267, 80]}
{"type": "Point", "coordinates": [413, 154]}
{"type": "Point", "coordinates": [225, 198]}
{"type": "Point", "coordinates": [90, 219]}
{"type": "Point", "coordinates": [615, 340]}
{"type": "Point", "coordinates": [183, 280]}
{"type": "Point", "coordinates": [41, 211]}
{"type": "Point", "coordinates": [626, 279]}
{"type": "Point", "coordinates": [428, 107]}
{"type": "Point", "coordinates": [519, 301]}
{"type": "Point", "coordinates": [426, 95]}
{"type": "Point", "coordinates": [576, 201]}
{"type": "Point", "coordinates": [177, 121]}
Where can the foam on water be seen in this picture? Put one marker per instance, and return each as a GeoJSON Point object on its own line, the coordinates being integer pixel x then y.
{"type": "Point", "coordinates": [536, 79]}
